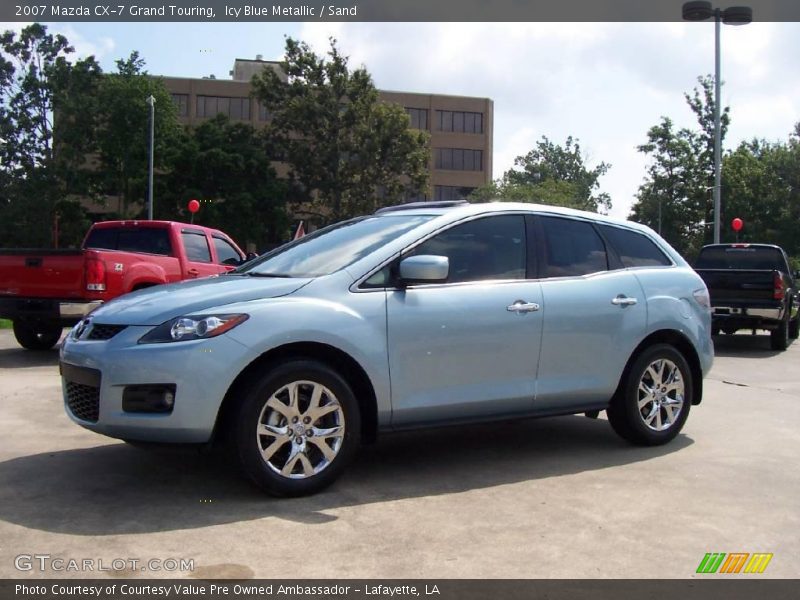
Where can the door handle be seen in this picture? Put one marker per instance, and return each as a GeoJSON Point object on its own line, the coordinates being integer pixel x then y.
{"type": "Point", "coordinates": [623, 300]}
{"type": "Point", "coordinates": [521, 307]}
{"type": "Point", "coordinates": [193, 272]}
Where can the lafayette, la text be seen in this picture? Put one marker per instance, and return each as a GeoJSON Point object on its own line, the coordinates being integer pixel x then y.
{"type": "Point", "coordinates": [277, 10]}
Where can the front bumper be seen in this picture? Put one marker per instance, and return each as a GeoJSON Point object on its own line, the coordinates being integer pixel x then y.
{"type": "Point", "coordinates": [95, 374]}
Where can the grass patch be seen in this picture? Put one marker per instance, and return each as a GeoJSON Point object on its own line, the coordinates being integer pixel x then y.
{"type": "Point", "coordinates": [5, 324]}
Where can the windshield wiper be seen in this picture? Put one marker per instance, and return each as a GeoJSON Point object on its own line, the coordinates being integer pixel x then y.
{"type": "Point", "coordinates": [254, 274]}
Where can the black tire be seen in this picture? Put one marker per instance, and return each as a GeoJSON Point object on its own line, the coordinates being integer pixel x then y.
{"type": "Point", "coordinates": [779, 338]}
{"type": "Point", "coordinates": [256, 412]}
{"type": "Point", "coordinates": [794, 328]}
{"type": "Point", "coordinates": [37, 337]}
{"type": "Point", "coordinates": [624, 413]}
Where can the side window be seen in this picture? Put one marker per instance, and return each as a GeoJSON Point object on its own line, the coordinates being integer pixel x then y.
{"type": "Point", "coordinates": [226, 254]}
{"type": "Point", "coordinates": [196, 247]}
{"type": "Point", "coordinates": [487, 248]}
{"type": "Point", "coordinates": [145, 239]}
{"type": "Point", "coordinates": [572, 248]}
{"type": "Point", "coordinates": [634, 249]}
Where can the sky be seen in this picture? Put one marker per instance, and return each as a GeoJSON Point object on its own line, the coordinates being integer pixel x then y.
{"type": "Point", "coordinates": [605, 84]}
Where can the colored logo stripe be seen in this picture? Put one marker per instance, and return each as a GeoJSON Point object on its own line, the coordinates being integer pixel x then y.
{"type": "Point", "coordinates": [713, 562]}
{"type": "Point", "coordinates": [758, 563]}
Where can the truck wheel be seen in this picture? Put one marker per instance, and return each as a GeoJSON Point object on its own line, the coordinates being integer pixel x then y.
{"type": "Point", "coordinates": [41, 336]}
{"type": "Point", "coordinates": [794, 328]}
{"type": "Point", "coordinates": [779, 338]}
{"type": "Point", "coordinates": [654, 397]}
{"type": "Point", "coordinates": [297, 428]}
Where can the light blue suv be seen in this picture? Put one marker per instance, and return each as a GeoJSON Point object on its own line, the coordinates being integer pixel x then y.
{"type": "Point", "coordinates": [418, 315]}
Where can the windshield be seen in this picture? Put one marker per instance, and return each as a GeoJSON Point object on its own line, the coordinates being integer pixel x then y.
{"type": "Point", "coordinates": [332, 248]}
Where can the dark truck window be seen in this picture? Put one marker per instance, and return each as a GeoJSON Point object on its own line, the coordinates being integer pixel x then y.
{"type": "Point", "coordinates": [741, 257]}
{"type": "Point", "coordinates": [634, 249]}
{"type": "Point", "coordinates": [196, 246]}
{"type": "Point", "coordinates": [226, 254]}
{"type": "Point", "coordinates": [145, 239]}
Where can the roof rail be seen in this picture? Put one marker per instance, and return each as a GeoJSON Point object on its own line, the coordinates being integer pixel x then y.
{"type": "Point", "coordinates": [415, 205]}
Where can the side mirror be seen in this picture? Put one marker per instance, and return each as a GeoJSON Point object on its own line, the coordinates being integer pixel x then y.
{"type": "Point", "coordinates": [250, 256]}
{"type": "Point", "coordinates": [424, 269]}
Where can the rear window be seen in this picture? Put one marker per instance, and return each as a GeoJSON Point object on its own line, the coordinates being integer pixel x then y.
{"type": "Point", "coordinates": [741, 257]}
{"type": "Point", "coordinates": [145, 239]}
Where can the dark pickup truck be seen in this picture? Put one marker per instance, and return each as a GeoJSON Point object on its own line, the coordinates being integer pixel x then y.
{"type": "Point", "coordinates": [751, 287]}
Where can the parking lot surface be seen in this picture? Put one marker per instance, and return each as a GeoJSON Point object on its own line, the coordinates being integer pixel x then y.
{"type": "Point", "coordinates": [557, 497]}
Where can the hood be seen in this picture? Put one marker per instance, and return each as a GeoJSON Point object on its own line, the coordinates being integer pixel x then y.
{"type": "Point", "coordinates": [155, 305]}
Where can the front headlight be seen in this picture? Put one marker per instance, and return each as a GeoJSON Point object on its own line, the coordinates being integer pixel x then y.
{"type": "Point", "coordinates": [198, 327]}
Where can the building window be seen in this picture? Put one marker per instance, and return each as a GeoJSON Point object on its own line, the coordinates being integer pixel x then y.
{"type": "Point", "coordinates": [419, 117]}
{"type": "Point", "coordinates": [451, 192]}
{"type": "Point", "coordinates": [235, 108]}
{"type": "Point", "coordinates": [459, 159]}
{"type": "Point", "coordinates": [263, 113]}
{"type": "Point", "coordinates": [459, 122]}
{"type": "Point", "coordinates": [181, 104]}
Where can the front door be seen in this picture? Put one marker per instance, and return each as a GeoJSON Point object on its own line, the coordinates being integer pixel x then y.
{"type": "Point", "coordinates": [468, 347]}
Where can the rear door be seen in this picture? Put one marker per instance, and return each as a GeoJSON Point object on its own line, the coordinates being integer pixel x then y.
{"type": "Point", "coordinates": [593, 317]}
{"type": "Point", "coordinates": [467, 347]}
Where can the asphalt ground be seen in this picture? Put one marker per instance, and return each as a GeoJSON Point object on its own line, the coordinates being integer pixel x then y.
{"type": "Point", "coordinates": [558, 497]}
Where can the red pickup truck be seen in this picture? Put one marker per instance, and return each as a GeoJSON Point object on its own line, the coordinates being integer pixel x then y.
{"type": "Point", "coordinates": [43, 291]}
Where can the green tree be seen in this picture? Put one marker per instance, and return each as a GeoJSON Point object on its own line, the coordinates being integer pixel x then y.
{"type": "Point", "coordinates": [676, 195]}
{"type": "Point", "coordinates": [551, 174]}
{"type": "Point", "coordinates": [44, 166]}
{"type": "Point", "coordinates": [123, 132]}
{"type": "Point", "coordinates": [761, 181]}
{"type": "Point", "coordinates": [226, 167]}
{"type": "Point", "coordinates": [349, 151]}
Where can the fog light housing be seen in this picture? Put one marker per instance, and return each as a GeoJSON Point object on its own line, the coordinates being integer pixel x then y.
{"type": "Point", "coordinates": [150, 398]}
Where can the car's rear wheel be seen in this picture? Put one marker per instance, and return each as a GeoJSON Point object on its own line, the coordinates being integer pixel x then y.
{"type": "Point", "coordinates": [654, 397]}
{"type": "Point", "coordinates": [40, 336]}
{"type": "Point", "coordinates": [297, 428]}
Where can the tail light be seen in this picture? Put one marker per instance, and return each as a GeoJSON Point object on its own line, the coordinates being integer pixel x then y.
{"type": "Point", "coordinates": [95, 275]}
{"type": "Point", "coordinates": [779, 290]}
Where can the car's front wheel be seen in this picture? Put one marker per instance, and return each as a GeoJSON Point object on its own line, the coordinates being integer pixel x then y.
{"type": "Point", "coordinates": [653, 400]}
{"type": "Point", "coordinates": [297, 428]}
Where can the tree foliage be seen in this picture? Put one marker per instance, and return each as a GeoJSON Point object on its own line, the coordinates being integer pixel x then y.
{"type": "Point", "coordinates": [226, 167]}
{"type": "Point", "coordinates": [123, 131]}
{"type": "Point", "coordinates": [349, 152]}
{"type": "Point", "coordinates": [43, 168]}
{"type": "Point", "coordinates": [551, 174]}
{"type": "Point", "coordinates": [676, 196]}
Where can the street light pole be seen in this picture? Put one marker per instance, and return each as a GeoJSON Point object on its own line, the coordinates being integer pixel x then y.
{"type": "Point", "coordinates": [152, 102]}
{"type": "Point", "coordinates": [735, 15]}
{"type": "Point", "coordinates": [717, 128]}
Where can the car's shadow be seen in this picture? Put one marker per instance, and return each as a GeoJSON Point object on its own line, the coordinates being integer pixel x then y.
{"type": "Point", "coordinates": [745, 345]}
{"type": "Point", "coordinates": [19, 357]}
{"type": "Point", "coordinates": [116, 489]}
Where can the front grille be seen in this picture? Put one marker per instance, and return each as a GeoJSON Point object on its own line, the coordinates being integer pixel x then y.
{"type": "Point", "coordinates": [104, 332]}
{"type": "Point", "coordinates": [83, 401]}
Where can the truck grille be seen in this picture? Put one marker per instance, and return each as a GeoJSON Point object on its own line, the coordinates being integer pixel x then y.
{"type": "Point", "coordinates": [83, 401]}
{"type": "Point", "coordinates": [104, 332]}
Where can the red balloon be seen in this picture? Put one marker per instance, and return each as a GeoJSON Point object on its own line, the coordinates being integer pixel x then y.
{"type": "Point", "coordinates": [194, 206]}
{"type": "Point", "coordinates": [737, 224]}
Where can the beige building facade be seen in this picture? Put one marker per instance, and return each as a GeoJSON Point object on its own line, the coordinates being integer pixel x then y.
{"type": "Point", "coordinates": [460, 127]}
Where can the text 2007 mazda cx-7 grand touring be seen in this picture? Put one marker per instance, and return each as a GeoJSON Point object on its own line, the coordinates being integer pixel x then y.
{"type": "Point", "coordinates": [417, 315]}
